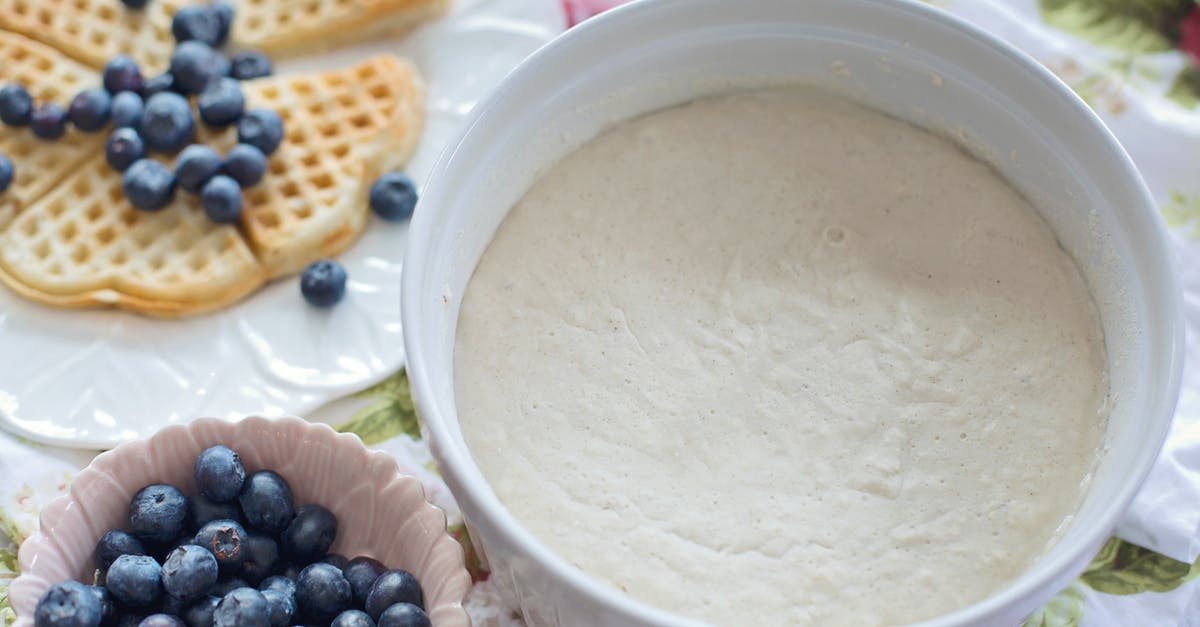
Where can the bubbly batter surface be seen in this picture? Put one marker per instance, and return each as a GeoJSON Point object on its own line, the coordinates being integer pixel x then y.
{"type": "Point", "coordinates": [775, 358]}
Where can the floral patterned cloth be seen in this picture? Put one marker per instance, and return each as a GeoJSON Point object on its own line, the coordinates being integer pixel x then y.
{"type": "Point", "coordinates": [1136, 63]}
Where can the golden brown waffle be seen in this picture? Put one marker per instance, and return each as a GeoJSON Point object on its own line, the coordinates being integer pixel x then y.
{"type": "Point", "coordinates": [284, 27]}
{"type": "Point", "coordinates": [48, 75]}
{"type": "Point", "coordinates": [85, 245]}
{"type": "Point", "coordinates": [94, 31]}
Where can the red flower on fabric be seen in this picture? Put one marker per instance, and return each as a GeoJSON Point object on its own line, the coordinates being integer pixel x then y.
{"type": "Point", "coordinates": [580, 10]}
{"type": "Point", "coordinates": [1189, 34]}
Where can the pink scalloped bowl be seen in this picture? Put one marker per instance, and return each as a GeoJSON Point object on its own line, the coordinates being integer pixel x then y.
{"type": "Point", "coordinates": [381, 512]}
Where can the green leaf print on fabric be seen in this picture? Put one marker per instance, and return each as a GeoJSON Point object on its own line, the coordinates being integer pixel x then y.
{"type": "Point", "coordinates": [1124, 568]}
{"type": "Point", "coordinates": [1182, 213]}
{"type": "Point", "coordinates": [474, 564]}
{"type": "Point", "coordinates": [1133, 25]}
{"type": "Point", "coordinates": [1064, 610]}
{"type": "Point", "coordinates": [388, 415]}
{"type": "Point", "coordinates": [1186, 88]}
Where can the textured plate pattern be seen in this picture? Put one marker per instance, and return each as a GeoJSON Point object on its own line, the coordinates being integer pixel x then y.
{"type": "Point", "coordinates": [380, 512]}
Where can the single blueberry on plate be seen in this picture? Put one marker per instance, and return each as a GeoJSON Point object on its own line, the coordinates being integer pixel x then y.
{"type": "Point", "coordinates": [194, 64]}
{"type": "Point", "coordinates": [283, 607]}
{"type": "Point", "coordinates": [158, 84]}
{"type": "Point", "coordinates": [323, 283]}
{"type": "Point", "coordinates": [267, 502]}
{"type": "Point", "coordinates": [225, 14]}
{"type": "Point", "coordinates": [244, 607]}
{"type": "Point", "coordinates": [161, 620]}
{"type": "Point", "coordinates": [204, 510]}
{"type": "Point", "coordinates": [262, 557]}
{"type": "Point", "coordinates": [122, 73]}
{"type": "Point", "coordinates": [361, 572]}
{"type": "Point", "coordinates": [310, 534]}
{"type": "Point", "coordinates": [68, 604]}
{"type": "Point", "coordinates": [200, 613]}
{"type": "Point", "coordinates": [149, 186]}
{"type": "Point", "coordinates": [189, 572]}
{"type": "Point", "coordinates": [109, 612]}
{"type": "Point", "coordinates": [403, 615]}
{"type": "Point", "coordinates": [115, 543]}
{"type": "Point", "coordinates": [16, 105]}
{"type": "Point", "coordinates": [225, 586]}
{"type": "Point", "coordinates": [219, 471]}
{"type": "Point", "coordinates": [127, 107]}
{"type": "Point", "coordinates": [261, 128]}
{"type": "Point", "coordinates": [194, 166]}
{"type": "Point", "coordinates": [392, 587]}
{"type": "Point", "coordinates": [158, 512]}
{"type": "Point", "coordinates": [7, 171]}
{"type": "Point", "coordinates": [226, 540]}
{"type": "Point", "coordinates": [353, 618]}
{"type": "Point", "coordinates": [124, 146]}
{"type": "Point", "coordinates": [90, 109]}
{"type": "Point", "coordinates": [245, 164]}
{"type": "Point", "coordinates": [250, 64]}
{"type": "Point", "coordinates": [393, 196]}
{"type": "Point", "coordinates": [222, 102]}
{"type": "Point", "coordinates": [196, 22]}
{"type": "Point", "coordinates": [49, 121]}
{"type": "Point", "coordinates": [337, 559]}
{"type": "Point", "coordinates": [167, 123]}
{"type": "Point", "coordinates": [322, 592]}
{"type": "Point", "coordinates": [134, 580]}
{"type": "Point", "coordinates": [221, 200]}
{"type": "Point", "coordinates": [280, 583]}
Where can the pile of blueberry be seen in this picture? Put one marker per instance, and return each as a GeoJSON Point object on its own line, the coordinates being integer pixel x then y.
{"type": "Point", "coordinates": [238, 553]}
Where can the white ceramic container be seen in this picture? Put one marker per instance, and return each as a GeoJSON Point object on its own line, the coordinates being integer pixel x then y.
{"type": "Point", "coordinates": [903, 57]}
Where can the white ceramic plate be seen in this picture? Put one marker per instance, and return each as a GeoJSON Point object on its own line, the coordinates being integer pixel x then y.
{"type": "Point", "coordinates": [93, 379]}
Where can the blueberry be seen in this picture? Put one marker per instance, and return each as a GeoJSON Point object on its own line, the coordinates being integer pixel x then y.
{"type": "Point", "coordinates": [250, 64]}
{"type": "Point", "coordinates": [109, 613]}
{"type": "Point", "coordinates": [200, 613]}
{"type": "Point", "coordinates": [267, 502]}
{"type": "Point", "coordinates": [89, 109]}
{"type": "Point", "coordinates": [225, 19]}
{"type": "Point", "coordinates": [353, 618]}
{"type": "Point", "coordinates": [244, 607]}
{"type": "Point", "coordinates": [245, 164]}
{"type": "Point", "coordinates": [393, 196]}
{"type": "Point", "coordinates": [49, 121]}
{"type": "Point", "coordinates": [292, 571]}
{"type": "Point", "coordinates": [219, 471]}
{"type": "Point", "coordinates": [361, 572]}
{"type": "Point", "coordinates": [158, 84]}
{"type": "Point", "coordinates": [149, 186]}
{"type": "Point", "coordinates": [122, 73]}
{"type": "Point", "coordinates": [194, 64]}
{"type": "Point", "coordinates": [124, 146]}
{"type": "Point", "coordinates": [225, 539]}
{"type": "Point", "coordinates": [261, 128]}
{"type": "Point", "coordinates": [222, 102]}
{"type": "Point", "coordinates": [337, 559]}
{"type": "Point", "coordinates": [114, 544]}
{"type": "Point", "coordinates": [283, 607]}
{"type": "Point", "coordinates": [225, 586]}
{"type": "Point", "coordinates": [309, 535]}
{"type": "Point", "coordinates": [161, 620]}
{"type": "Point", "coordinates": [189, 572]}
{"type": "Point", "coordinates": [392, 587]}
{"type": "Point", "coordinates": [323, 283]}
{"type": "Point", "coordinates": [322, 592]}
{"type": "Point", "coordinates": [194, 166]}
{"type": "Point", "coordinates": [7, 171]}
{"type": "Point", "coordinates": [135, 4]}
{"type": "Point", "coordinates": [404, 615]}
{"type": "Point", "coordinates": [159, 511]}
{"type": "Point", "coordinates": [134, 580]}
{"type": "Point", "coordinates": [167, 123]}
{"type": "Point", "coordinates": [16, 105]}
{"type": "Point", "coordinates": [205, 511]}
{"type": "Point", "coordinates": [127, 109]}
{"type": "Point", "coordinates": [262, 556]}
{"type": "Point", "coordinates": [196, 22]}
{"type": "Point", "coordinates": [280, 583]}
{"type": "Point", "coordinates": [68, 604]}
